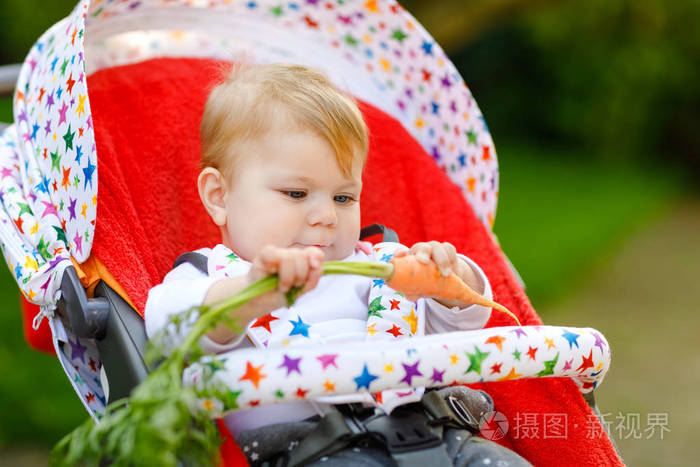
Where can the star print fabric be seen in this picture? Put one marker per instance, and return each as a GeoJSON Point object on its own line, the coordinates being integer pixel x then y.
{"type": "Point", "coordinates": [48, 188]}
{"type": "Point", "coordinates": [48, 164]}
{"type": "Point", "coordinates": [81, 362]}
{"type": "Point", "coordinates": [297, 373]}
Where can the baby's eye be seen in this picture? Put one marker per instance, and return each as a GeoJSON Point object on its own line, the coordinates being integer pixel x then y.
{"type": "Point", "coordinates": [295, 194]}
{"type": "Point", "coordinates": [343, 199]}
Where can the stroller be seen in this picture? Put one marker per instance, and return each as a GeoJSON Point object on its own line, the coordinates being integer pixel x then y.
{"type": "Point", "coordinates": [431, 174]}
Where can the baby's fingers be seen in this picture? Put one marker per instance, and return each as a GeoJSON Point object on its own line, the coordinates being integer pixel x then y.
{"type": "Point", "coordinates": [265, 263]}
{"type": "Point", "coordinates": [287, 272]}
{"type": "Point", "coordinates": [312, 280]}
{"type": "Point", "coordinates": [402, 252]}
{"type": "Point", "coordinates": [302, 270]}
{"type": "Point", "coordinates": [445, 256]}
{"type": "Point", "coordinates": [314, 260]}
{"type": "Point", "coordinates": [422, 252]}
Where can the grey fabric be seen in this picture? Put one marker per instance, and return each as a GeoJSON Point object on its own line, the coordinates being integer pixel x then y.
{"type": "Point", "coordinates": [435, 457]}
{"type": "Point", "coordinates": [331, 434]}
{"type": "Point", "coordinates": [356, 457]}
{"type": "Point", "coordinates": [479, 402]}
{"type": "Point", "coordinates": [266, 442]}
{"type": "Point", "coordinates": [466, 449]}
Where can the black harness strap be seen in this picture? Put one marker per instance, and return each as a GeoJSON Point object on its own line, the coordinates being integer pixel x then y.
{"type": "Point", "coordinates": [197, 260]}
{"type": "Point", "coordinates": [331, 435]}
{"type": "Point", "coordinates": [410, 437]}
{"type": "Point", "coordinates": [376, 229]}
{"type": "Point", "coordinates": [412, 434]}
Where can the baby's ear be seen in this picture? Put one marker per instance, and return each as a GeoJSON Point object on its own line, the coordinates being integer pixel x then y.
{"type": "Point", "coordinates": [212, 191]}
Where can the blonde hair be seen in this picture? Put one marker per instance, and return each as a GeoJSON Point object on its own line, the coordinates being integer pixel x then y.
{"type": "Point", "coordinates": [252, 100]}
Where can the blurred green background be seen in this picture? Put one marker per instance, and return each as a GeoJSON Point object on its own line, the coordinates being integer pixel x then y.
{"type": "Point", "coordinates": [594, 107]}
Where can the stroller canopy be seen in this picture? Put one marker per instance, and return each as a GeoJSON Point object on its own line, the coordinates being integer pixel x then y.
{"type": "Point", "coordinates": [373, 49]}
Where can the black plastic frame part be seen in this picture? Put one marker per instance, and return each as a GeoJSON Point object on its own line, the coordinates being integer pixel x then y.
{"type": "Point", "coordinates": [118, 331]}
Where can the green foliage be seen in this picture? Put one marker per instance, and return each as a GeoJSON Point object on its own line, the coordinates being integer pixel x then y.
{"type": "Point", "coordinates": [23, 21]}
{"type": "Point", "coordinates": [6, 110]}
{"type": "Point", "coordinates": [616, 79]}
{"type": "Point", "coordinates": [625, 67]}
{"type": "Point", "coordinates": [155, 426]}
{"type": "Point", "coordinates": [561, 215]}
{"type": "Point", "coordinates": [158, 424]}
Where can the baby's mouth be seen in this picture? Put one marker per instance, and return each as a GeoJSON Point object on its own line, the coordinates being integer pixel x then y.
{"type": "Point", "coordinates": [305, 245]}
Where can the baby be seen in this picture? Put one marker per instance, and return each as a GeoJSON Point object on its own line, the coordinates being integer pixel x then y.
{"type": "Point", "coordinates": [282, 153]}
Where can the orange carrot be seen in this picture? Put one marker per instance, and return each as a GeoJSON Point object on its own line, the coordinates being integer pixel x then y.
{"type": "Point", "coordinates": [411, 277]}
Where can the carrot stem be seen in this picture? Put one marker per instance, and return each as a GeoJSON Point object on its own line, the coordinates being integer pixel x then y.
{"type": "Point", "coordinates": [361, 268]}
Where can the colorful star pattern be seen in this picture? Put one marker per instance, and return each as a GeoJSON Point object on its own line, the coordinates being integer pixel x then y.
{"type": "Point", "coordinates": [364, 379]}
{"type": "Point", "coordinates": [38, 156]}
{"type": "Point", "coordinates": [549, 367]}
{"type": "Point", "coordinates": [531, 352]}
{"type": "Point", "coordinates": [77, 350]}
{"type": "Point", "coordinates": [300, 328]}
{"type": "Point", "coordinates": [571, 337]}
{"type": "Point", "coordinates": [375, 307]}
{"type": "Point", "coordinates": [327, 359]}
{"type": "Point", "coordinates": [389, 313]}
{"type": "Point", "coordinates": [437, 376]}
{"type": "Point", "coordinates": [412, 320]}
{"type": "Point", "coordinates": [498, 340]}
{"type": "Point", "coordinates": [411, 371]}
{"type": "Point", "coordinates": [476, 359]}
{"type": "Point", "coordinates": [396, 365]}
{"type": "Point", "coordinates": [82, 365]}
{"type": "Point", "coordinates": [291, 364]}
{"type": "Point", "coordinates": [264, 322]}
{"type": "Point", "coordinates": [253, 374]}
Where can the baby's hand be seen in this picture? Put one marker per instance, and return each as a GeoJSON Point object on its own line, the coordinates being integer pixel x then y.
{"type": "Point", "coordinates": [294, 267]}
{"type": "Point", "coordinates": [444, 255]}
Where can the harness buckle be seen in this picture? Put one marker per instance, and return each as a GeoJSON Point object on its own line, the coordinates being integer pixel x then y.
{"type": "Point", "coordinates": [402, 431]}
{"type": "Point", "coordinates": [462, 413]}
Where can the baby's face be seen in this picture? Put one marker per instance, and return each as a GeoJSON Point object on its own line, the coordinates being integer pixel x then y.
{"type": "Point", "coordinates": [288, 191]}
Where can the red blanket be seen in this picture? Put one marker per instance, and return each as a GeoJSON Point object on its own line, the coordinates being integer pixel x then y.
{"type": "Point", "coordinates": [146, 119]}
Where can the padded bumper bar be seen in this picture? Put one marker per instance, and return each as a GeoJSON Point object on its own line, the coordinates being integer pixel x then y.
{"type": "Point", "coordinates": [255, 376]}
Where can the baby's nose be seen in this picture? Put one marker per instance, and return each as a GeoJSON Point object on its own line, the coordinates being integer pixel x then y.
{"type": "Point", "coordinates": [323, 213]}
